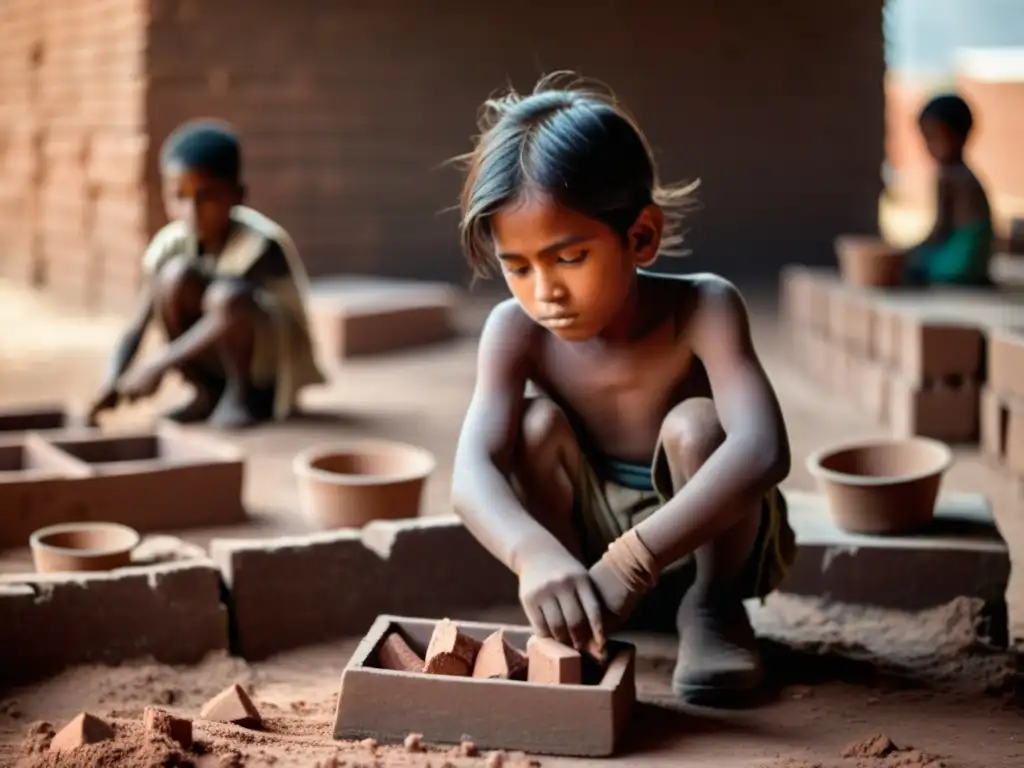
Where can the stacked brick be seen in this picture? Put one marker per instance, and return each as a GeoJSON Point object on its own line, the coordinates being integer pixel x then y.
{"type": "Point", "coordinates": [898, 357]}
{"type": "Point", "coordinates": [1002, 400]}
{"type": "Point", "coordinates": [73, 213]}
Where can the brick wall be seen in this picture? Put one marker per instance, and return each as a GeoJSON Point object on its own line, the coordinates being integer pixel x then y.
{"type": "Point", "coordinates": [348, 110]}
{"type": "Point", "coordinates": [74, 140]}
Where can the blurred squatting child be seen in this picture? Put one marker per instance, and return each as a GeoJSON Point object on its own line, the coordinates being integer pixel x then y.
{"type": "Point", "coordinates": [959, 248]}
{"type": "Point", "coordinates": [644, 473]}
{"type": "Point", "coordinates": [226, 285]}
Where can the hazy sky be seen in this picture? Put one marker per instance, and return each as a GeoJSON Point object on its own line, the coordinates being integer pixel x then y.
{"type": "Point", "coordinates": [922, 34]}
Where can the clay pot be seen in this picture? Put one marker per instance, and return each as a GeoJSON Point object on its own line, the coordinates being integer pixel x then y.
{"type": "Point", "coordinates": [348, 485]}
{"type": "Point", "coordinates": [83, 547]}
{"type": "Point", "coordinates": [883, 486]}
{"type": "Point", "coordinates": [869, 261]}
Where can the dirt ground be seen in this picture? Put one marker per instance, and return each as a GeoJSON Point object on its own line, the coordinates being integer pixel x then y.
{"type": "Point", "coordinates": [853, 688]}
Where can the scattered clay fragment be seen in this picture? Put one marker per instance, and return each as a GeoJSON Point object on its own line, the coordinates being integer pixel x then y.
{"type": "Point", "coordinates": [175, 728]}
{"type": "Point", "coordinates": [468, 749]}
{"type": "Point", "coordinates": [232, 705]}
{"type": "Point", "coordinates": [450, 652]}
{"type": "Point", "coordinates": [879, 745]}
{"type": "Point", "coordinates": [84, 729]}
{"type": "Point", "coordinates": [414, 742]}
{"type": "Point", "coordinates": [497, 659]}
{"type": "Point", "coordinates": [495, 759]}
{"type": "Point", "coordinates": [552, 663]}
{"type": "Point", "coordinates": [395, 654]}
{"type": "Point", "coordinates": [370, 744]}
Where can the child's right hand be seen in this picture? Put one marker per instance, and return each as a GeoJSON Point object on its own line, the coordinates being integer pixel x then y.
{"type": "Point", "coordinates": [559, 598]}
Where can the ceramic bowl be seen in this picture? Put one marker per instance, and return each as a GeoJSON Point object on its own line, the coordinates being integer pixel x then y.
{"type": "Point", "coordinates": [886, 486]}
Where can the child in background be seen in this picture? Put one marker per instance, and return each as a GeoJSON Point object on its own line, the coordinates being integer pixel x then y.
{"type": "Point", "coordinates": [226, 285]}
{"type": "Point", "coordinates": [959, 248]}
{"type": "Point", "coordinates": [645, 472]}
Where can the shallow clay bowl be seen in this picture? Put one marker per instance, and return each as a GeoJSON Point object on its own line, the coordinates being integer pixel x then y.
{"type": "Point", "coordinates": [83, 547]}
{"type": "Point", "coordinates": [886, 486]}
{"type": "Point", "coordinates": [348, 485]}
{"type": "Point", "coordinates": [869, 261]}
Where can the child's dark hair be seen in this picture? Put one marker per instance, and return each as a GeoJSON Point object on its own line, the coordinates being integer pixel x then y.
{"type": "Point", "coordinates": [952, 111]}
{"type": "Point", "coordinates": [206, 145]}
{"type": "Point", "coordinates": [574, 142]}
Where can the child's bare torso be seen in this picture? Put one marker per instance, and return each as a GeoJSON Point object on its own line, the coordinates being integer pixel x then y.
{"type": "Point", "coordinates": [618, 394]}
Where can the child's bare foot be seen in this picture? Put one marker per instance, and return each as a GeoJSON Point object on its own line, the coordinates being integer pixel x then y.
{"type": "Point", "coordinates": [718, 658]}
{"type": "Point", "coordinates": [197, 409]}
{"type": "Point", "coordinates": [232, 411]}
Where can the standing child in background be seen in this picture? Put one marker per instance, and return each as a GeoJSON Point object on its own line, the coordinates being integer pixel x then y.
{"type": "Point", "coordinates": [226, 284]}
{"type": "Point", "coordinates": [645, 473]}
{"type": "Point", "coordinates": [959, 248]}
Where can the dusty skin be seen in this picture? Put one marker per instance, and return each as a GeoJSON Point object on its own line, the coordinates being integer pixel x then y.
{"type": "Point", "coordinates": [843, 680]}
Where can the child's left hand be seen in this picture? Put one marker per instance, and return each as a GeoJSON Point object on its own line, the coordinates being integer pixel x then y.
{"type": "Point", "coordinates": [142, 382]}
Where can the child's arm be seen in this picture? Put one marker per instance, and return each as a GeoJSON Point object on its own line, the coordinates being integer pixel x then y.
{"type": "Point", "coordinates": [124, 353]}
{"type": "Point", "coordinates": [554, 587]}
{"type": "Point", "coordinates": [944, 195]}
{"type": "Point", "coordinates": [755, 455]}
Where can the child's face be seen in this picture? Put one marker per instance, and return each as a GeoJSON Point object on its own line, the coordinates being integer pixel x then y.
{"type": "Point", "coordinates": [202, 201]}
{"type": "Point", "coordinates": [942, 145]}
{"type": "Point", "coordinates": [569, 272]}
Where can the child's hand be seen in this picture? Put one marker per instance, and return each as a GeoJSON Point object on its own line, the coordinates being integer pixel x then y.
{"type": "Point", "coordinates": [618, 600]}
{"type": "Point", "coordinates": [558, 598]}
{"type": "Point", "coordinates": [105, 400]}
{"type": "Point", "coordinates": [142, 382]}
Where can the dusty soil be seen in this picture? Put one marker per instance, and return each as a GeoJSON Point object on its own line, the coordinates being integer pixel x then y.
{"type": "Point", "coordinates": [852, 688]}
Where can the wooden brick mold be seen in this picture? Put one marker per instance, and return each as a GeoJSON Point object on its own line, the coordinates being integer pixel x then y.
{"type": "Point", "coordinates": [172, 611]}
{"type": "Point", "coordinates": [494, 714]}
{"type": "Point", "coordinates": [298, 590]}
{"type": "Point", "coordinates": [162, 480]}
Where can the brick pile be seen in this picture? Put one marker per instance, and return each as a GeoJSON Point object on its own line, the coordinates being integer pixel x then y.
{"type": "Point", "coordinates": [73, 211]}
{"type": "Point", "coordinates": [911, 360]}
{"type": "Point", "coordinates": [1002, 400]}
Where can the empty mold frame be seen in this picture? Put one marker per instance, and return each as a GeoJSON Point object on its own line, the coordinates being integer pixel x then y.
{"type": "Point", "coordinates": [37, 418]}
{"type": "Point", "coordinates": [579, 720]}
{"type": "Point", "coordinates": [161, 480]}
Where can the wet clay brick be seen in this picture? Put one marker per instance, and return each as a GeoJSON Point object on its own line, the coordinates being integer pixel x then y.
{"type": "Point", "coordinates": [938, 410]}
{"type": "Point", "coordinates": [354, 316]}
{"type": "Point", "coordinates": [232, 705]}
{"type": "Point", "coordinates": [961, 554]}
{"type": "Point", "coordinates": [994, 421]}
{"type": "Point", "coordinates": [552, 663]}
{"type": "Point", "coordinates": [932, 350]}
{"type": "Point", "coordinates": [497, 659]}
{"type": "Point", "coordinates": [84, 729]}
{"type": "Point", "coordinates": [1014, 438]}
{"type": "Point", "coordinates": [171, 611]}
{"type": "Point", "coordinates": [450, 652]}
{"type": "Point", "coordinates": [285, 593]}
{"type": "Point", "coordinates": [175, 728]}
{"type": "Point", "coordinates": [1006, 362]}
{"type": "Point", "coordinates": [395, 654]}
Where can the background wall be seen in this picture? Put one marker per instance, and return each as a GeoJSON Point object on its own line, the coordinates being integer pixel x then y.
{"type": "Point", "coordinates": [348, 110]}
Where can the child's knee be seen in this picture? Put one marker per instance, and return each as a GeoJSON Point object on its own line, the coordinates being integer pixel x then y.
{"type": "Point", "coordinates": [690, 434]}
{"type": "Point", "coordinates": [181, 284]}
{"type": "Point", "coordinates": [544, 426]}
{"type": "Point", "coordinates": [230, 299]}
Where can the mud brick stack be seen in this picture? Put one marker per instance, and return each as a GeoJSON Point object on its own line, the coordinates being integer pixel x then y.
{"type": "Point", "coordinates": [912, 360]}
{"type": "Point", "coordinates": [73, 213]}
{"type": "Point", "coordinates": [1002, 400]}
